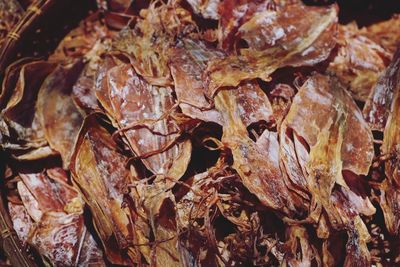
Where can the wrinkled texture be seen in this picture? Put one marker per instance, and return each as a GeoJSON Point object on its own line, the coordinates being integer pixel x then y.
{"type": "Point", "coordinates": [359, 62]}
{"type": "Point", "coordinates": [204, 133]}
{"type": "Point", "coordinates": [385, 33]}
{"type": "Point", "coordinates": [60, 118]}
{"type": "Point", "coordinates": [296, 35]}
{"type": "Point", "coordinates": [377, 108]}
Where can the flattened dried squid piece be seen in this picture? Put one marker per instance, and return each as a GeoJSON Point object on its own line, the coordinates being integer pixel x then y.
{"type": "Point", "coordinates": [60, 118]}
{"type": "Point", "coordinates": [359, 61]}
{"type": "Point", "coordinates": [296, 35]}
{"type": "Point", "coordinates": [101, 175]}
{"type": "Point", "coordinates": [51, 219]}
{"type": "Point", "coordinates": [57, 236]}
{"type": "Point", "coordinates": [377, 108]}
{"type": "Point", "coordinates": [322, 99]}
{"type": "Point", "coordinates": [254, 164]}
{"type": "Point", "coordinates": [390, 188]}
{"type": "Point", "coordinates": [322, 114]}
{"type": "Point", "coordinates": [188, 62]}
{"type": "Point", "coordinates": [143, 110]}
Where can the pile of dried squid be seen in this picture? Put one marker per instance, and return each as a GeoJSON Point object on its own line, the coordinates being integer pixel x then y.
{"type": "Point", "coordinates": [207, 133]}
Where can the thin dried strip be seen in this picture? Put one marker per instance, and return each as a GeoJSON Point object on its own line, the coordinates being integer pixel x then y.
{"type": "Point", "coordinates": [60, 118]}
{"type": "Point", "coordinates": [359, 61]}
{"type": "Point", "coordinates": [377, 108]}
{"type": "Point", "coordinates": [10, 80]}
{"type": "Point", "coordinates": [296, 35]}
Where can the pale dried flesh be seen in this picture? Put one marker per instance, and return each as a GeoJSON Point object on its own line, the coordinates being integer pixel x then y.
{"type": "Point", "coordinates": [206, 133]}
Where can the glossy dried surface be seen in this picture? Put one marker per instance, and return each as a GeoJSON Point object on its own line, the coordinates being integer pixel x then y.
{"type": "Point", "coordinates": [205, 133]}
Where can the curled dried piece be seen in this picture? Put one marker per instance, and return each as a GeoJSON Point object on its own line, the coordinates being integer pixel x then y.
{"type": "Point", "coordinates": [188, 61]}
{"type": "Point", "coordinates": [359, 61]}
{"type": "Point", "coordinates": [60, 118]}
{"type": "Point", "coordinates": [206, 8]}
{"type": "Point", "coordinates": [377, 108]}
{"type": "Point", "coordinates": [385, 33]}
{"type": "Point", "coordinates": [258, 169]}
{"type": "Point", "coordinates": [390, 189]}
{"type": "Point", "coordinates": [296, 35]}
{"type": "Point", "coordinates": [147, 44]}
{"type": "Point", "coordinates": [333, 149]}
{"type": "Point", "coordinates": [101, 175]}
{"type": "Point", "coordinates": [27, 139]}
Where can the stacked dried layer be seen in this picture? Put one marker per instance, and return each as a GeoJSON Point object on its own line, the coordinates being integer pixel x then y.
{"type": "Point", "coordinates": [188, 144]}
